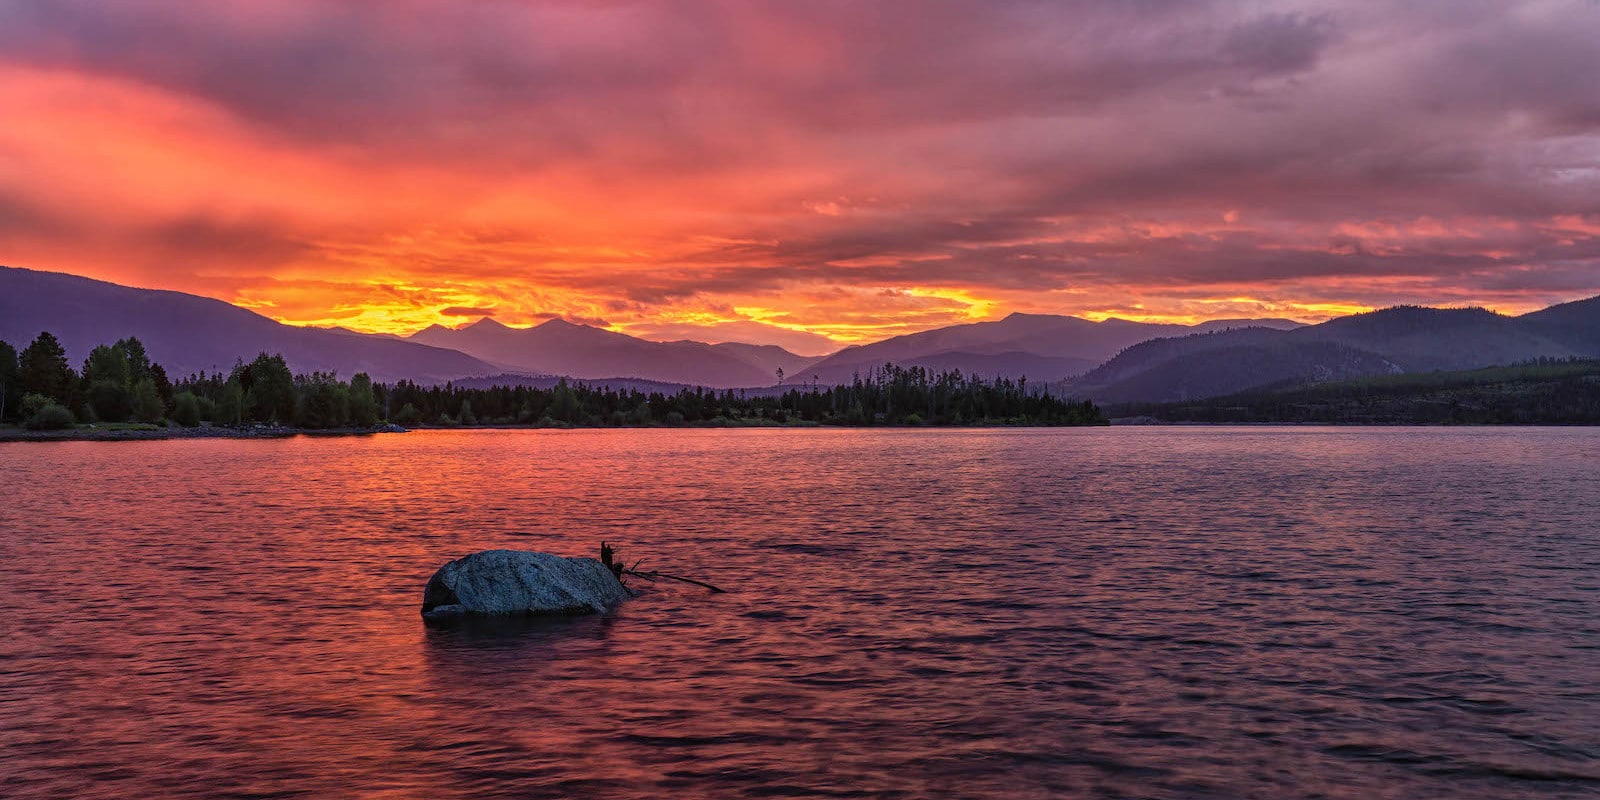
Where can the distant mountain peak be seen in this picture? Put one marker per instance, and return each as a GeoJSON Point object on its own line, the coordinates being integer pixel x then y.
{"type": "Point", "coordinates": [1278, 323]}
{"type": "Point", "coordinates": [485, 324]}
{"type": "Point", "coordinates": [560, 347]}
{"type": "Point", "coordinates": [191, 334]}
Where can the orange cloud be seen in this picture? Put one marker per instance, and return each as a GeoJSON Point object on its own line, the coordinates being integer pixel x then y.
{"type": "Point", "coordinates": [808, 174]}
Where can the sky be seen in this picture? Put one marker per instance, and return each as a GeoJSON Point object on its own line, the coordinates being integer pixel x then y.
{"type": "Point", "coordinates": [811, 173]}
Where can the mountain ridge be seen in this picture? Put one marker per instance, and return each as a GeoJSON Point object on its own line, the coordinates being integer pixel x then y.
{"type": "Point", "coordinates": [558, 347]}
{"type": "Point", "coordinates": [1399, 339]}
{"type": "Point", "coordinates": [1112, 359]}
{"type": "Point", "coordinates": [188, 333]}
{"type": "Point", "coordinates": [991, 348]}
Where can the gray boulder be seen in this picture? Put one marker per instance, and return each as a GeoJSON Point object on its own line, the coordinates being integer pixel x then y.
{"type": "Point", "coordinates": [520, 582]}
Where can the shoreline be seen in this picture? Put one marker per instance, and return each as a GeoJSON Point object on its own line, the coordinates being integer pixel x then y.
{"type": "Point", "coordinates": [13, 433]}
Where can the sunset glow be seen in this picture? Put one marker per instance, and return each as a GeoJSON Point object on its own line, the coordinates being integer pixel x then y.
{"type": "Point", "coordinates": [806, 174]}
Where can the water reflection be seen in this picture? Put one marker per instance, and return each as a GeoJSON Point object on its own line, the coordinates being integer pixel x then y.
{"type": "Point", "coordinates": [460, 643]}
{"type": "Point", "coordinates": [1153, 613]}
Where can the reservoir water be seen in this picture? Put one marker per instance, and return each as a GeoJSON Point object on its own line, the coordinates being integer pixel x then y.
{"type": "Point", "coordinates": [1150, 612]}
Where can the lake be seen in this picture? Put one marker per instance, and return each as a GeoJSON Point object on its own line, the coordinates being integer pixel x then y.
{"type": "Point", "coordinates": [1124, 612]}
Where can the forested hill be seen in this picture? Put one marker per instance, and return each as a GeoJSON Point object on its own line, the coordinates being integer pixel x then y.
{"type": "Point", "coordinates": [1548, 392]}
{"type": "Point", "coordinates": [1402, 339]}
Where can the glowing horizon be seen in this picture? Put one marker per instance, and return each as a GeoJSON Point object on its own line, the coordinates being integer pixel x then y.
{"type": "Point", "coordinates": [811, 176]}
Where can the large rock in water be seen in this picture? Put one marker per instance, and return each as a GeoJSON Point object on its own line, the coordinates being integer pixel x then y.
{"type": "Point", "coordinates": [521, 582]}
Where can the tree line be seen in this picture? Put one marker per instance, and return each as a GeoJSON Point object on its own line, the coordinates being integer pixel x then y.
{"type": "Point", "coordinates": [890, 395]}
{"type": "Point", "coordinates": [119, 383]}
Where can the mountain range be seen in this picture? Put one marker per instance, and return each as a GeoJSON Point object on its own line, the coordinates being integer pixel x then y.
{"type": "Point", "coordinates": [1039, 346]}
{"type": "Point", "coordinates": [189, 334]}
{"type": "Point", "coordinates": [558, 347]}
{"type": "Point", "coordinates": [1108, 361]}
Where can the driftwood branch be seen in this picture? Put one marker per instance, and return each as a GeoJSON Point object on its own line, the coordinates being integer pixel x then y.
{"type": "Point", "coordinates": [650, 576]}
{"type": "Point", "coordinates": [608, 557]}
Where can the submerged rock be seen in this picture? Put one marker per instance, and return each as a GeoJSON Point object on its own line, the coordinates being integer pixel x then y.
{"type": "Point", "coordinates": [520, 582]}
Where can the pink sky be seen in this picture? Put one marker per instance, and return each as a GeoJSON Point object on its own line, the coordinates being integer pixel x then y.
{"type": "Point", "coordinates": [811, 173]}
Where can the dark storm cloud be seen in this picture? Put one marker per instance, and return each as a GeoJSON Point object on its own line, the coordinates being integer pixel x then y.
{"type": "Point", "coordinates": [233, 244]}
{"type": "Point", "coordinates": [20, 216]}
{"type": "Point", "coordinates": [460, 311]}
{"type": "Point", "coordinates": [415, 71]}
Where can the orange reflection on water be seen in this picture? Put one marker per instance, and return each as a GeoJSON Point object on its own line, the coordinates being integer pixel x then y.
{"type": "Point", "coordinates": [992, 613]}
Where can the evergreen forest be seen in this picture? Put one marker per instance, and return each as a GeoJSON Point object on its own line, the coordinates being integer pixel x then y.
{"type": "Point", "coordinates": [118, 384]}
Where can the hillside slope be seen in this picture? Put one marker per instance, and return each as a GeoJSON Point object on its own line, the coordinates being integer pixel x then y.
{"type": "Point", "coordinates": [1042, 347]}
{"type": "Point", "coordinates": [186, 333]}
{"type": "Point", "coordinates": [1405, 339]}
{"type": "Point", "coordinates": [1548, 393]}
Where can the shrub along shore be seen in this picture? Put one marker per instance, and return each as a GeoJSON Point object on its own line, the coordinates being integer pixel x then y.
{"type": "Point", "coordinates": [119, 393]}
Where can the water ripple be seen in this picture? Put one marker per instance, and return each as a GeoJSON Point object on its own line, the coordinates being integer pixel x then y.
{"type": "Point", "coordinates": [1162, 613]}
